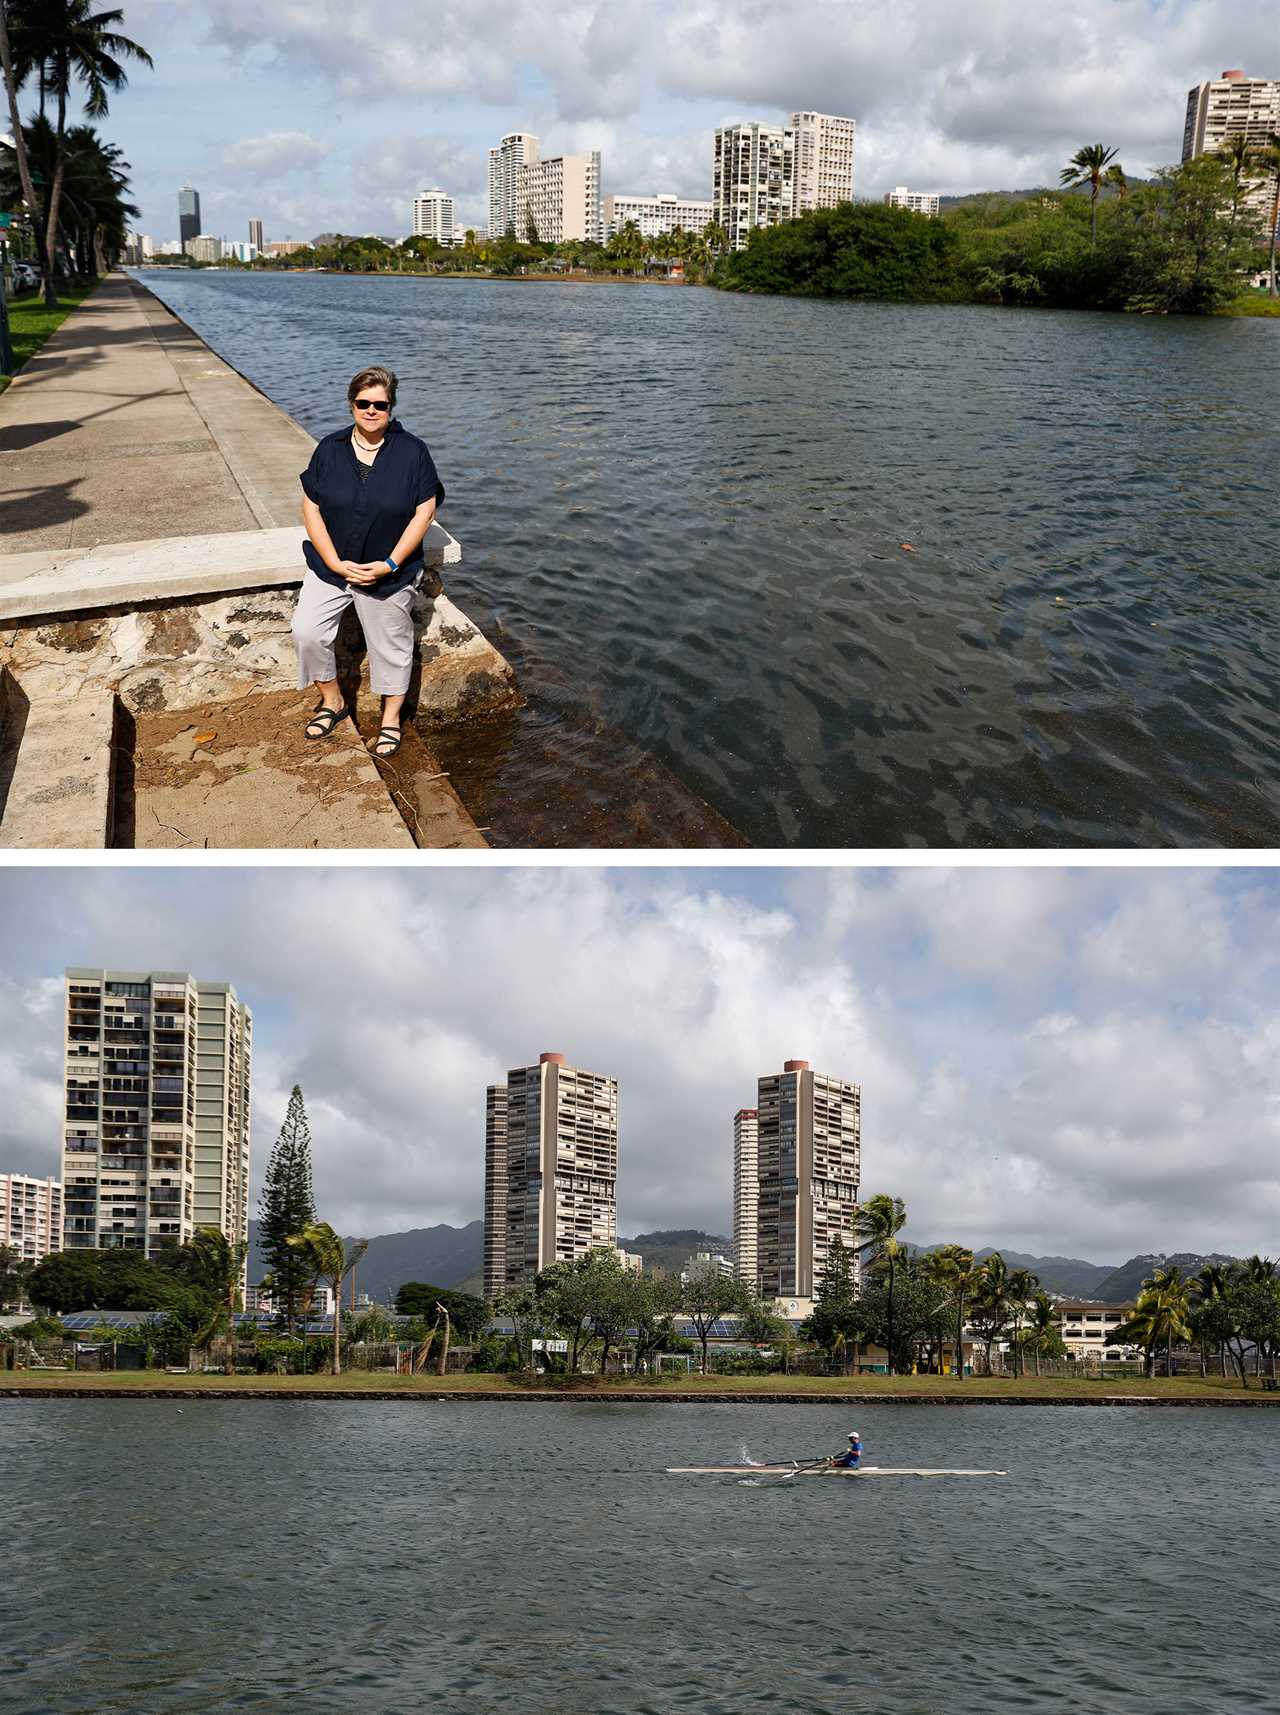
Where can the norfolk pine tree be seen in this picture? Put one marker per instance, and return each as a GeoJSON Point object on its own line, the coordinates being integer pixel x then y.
{"type": "Point", "coordinates": [288, 1207]}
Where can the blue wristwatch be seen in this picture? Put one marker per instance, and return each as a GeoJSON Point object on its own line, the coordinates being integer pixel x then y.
{"type": "Point", "coordinates": [392, 564]}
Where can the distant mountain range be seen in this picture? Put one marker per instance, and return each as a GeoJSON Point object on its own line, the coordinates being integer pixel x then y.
{"type": "Point", "coordinates": [454, 1256]}
{"type": "Point", "coordinates": [1034, 191]}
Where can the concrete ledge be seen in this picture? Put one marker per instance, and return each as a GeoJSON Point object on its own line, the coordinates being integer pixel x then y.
{"type": "Point", "coordinates": [46, 582]}
{"type": "Point", "coordinates": [55, 756]}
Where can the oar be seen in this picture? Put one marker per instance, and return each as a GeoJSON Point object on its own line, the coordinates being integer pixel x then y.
{"type": "Point", "coordinates": [799, 1471]}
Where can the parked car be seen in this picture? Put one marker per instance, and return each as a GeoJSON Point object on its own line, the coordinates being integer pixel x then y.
{"type": "Point", "coordinates": [25, 277]}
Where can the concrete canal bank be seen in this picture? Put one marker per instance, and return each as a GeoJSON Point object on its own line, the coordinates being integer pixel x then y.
{"type": "Point", "coordinates": [152, 553]}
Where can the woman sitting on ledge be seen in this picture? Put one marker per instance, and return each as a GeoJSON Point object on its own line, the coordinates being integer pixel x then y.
{"type": "Point", "coordinates": [369, 495]}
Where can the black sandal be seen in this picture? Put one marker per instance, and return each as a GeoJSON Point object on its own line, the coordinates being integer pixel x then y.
{"type": "Point", "coordinates": [388, 735]}
{"type": "Point", "coordinates": [326, 719]}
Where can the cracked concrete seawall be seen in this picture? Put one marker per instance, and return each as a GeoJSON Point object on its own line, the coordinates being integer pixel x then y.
{"type": "Point", "coordinates": [155, 548]}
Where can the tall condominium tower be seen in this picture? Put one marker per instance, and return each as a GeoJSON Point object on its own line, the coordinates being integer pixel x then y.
{"type": "Point", "coordinates": [1235, 105]}
{"type": "Point", "coordinates": [746, 1195]}
{"type": "Point", "coordinates": [433, 216]}
{"type": "Point", "coordinates": [255, 235]}
{"type": "Point", "coordinates": [752, 180]}
{"type": "Point", "coordinates": [188, 215]}
{"type": "Point", "coordinates": [30, 1216]}
{"type": "Point", "coordinates": [495, 1189]}
{"type": "Point", "coordinates": [559, 198]}
{"type": "Point", "coordinates": [557, 1197]}
{"type": "Point", "coordinates": [156, 1137]}
{"type": "Point", "coordinates": [809, 1152]}
{"type": "Point", "coordinates": [822, 165]}
{"type": "Point", "coordinates": [516, 150]}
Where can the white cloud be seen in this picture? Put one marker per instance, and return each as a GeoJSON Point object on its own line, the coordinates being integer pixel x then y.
{"type": "Point", "coordinates": [275, 155]}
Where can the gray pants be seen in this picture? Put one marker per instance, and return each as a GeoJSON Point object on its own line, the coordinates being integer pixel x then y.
{"type": "Point", "coordinates": [387, 623]}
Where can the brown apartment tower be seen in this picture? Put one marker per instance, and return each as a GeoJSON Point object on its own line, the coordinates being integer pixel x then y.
{"type": "Point", "coordinates": [809, 1150]}
{"type": "Point", "coordinates": [551, 1169]}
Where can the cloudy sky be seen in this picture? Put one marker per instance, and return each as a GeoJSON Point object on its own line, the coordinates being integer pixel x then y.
{"type": "Point", "coordinates": [323, 115]}
{"type": "Point", "coordinates": [1080, 1062]}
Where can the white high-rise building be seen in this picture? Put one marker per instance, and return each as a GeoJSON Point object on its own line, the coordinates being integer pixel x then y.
{"type": "Point", "coordinates": [433, 216]}
{"type": "Point", "coordinates": [559, 199]}
{"type": "Point", "coordinates": [156, 1135]}
{"type": "Point", "coordinates": [30, 1216]}
{"type": "Point", "coordinates": [919, 202]}
{"type": "Point", "coordinates": [517, 150]}
{"type": "Point", "coordinates": [810, 1144]}
{"type": "Point", "coordinates": [822, 161]}
{"type": "Point", "coordinates": [552, 1181]}
{"type": "Point", "coordinates": [752, 178]}
{"type": "Point", "coordinates": [653, 216]}
{"type": "Point", "coordinates": [746, 1195]}
{"type": "Point", "coordinates": [1236, 105]}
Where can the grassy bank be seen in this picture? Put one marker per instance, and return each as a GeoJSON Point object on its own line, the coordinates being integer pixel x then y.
{"type": "Point", "coordinates": [1253, 304]}
{"type": "Point", "coordinates": [915, 1389]}
{"type": "Point", "coordinates": [30, 324]}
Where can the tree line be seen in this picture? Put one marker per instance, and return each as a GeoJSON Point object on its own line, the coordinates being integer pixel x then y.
{"type": "Point", "coordinates": [72, 182]}
{"type": "Point", "coordinates": [627, 252]}
{"type": "Point", "coordinates": [1183, 243]}
{"type": "Point", "coordinates": [1229, 1310]}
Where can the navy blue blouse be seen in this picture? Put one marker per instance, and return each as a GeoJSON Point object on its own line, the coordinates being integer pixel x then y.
{"type": "Point", "coordinates": [365, 519]}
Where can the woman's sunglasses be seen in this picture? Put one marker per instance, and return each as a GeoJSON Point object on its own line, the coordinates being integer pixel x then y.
{"type": "Point", "coordinates": [372, 404]}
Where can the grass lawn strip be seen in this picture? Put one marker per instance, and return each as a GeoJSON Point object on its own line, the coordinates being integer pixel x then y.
{"type": "Point", "coordinates": [30, 324]}
{"type": "Point", "coordinates": [921, 1390]}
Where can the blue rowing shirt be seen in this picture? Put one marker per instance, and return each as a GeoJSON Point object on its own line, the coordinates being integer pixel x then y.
{"type": "Point", "coordinates": [365, 519]}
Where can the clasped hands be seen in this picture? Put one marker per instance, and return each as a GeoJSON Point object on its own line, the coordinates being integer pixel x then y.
{"type": "Point", "coordinates": [364, 573]}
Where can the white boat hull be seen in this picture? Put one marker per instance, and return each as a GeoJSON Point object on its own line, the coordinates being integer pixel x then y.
{"type": "Point", "coordinates": [821, 1471]}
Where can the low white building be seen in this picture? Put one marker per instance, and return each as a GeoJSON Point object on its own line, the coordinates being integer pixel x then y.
{"type": "Point", "coordinates": [204, 247]}
{"type": "Point", "coordinates": [632, 1261]}
{"type": "Point", "coordinates": [655, 216]}
{"type": "Point", "coordinates": [919, 202]}
{"type": "Point", "coordinates": [708, 1259]}
{"type": "Point", "coordinates": [1085, 1327]}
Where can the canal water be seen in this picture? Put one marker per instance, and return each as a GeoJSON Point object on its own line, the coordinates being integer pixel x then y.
{"type": "Point", "coordinates": [382, 1559]}
{"type": "Point", "coordinates": [855, 575]}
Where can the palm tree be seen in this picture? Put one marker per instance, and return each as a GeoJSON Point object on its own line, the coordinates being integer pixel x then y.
{"type": "Point", "coordinates": [1044, 1321]}
{"type": "Point", "coordinates": [221, 1261]}
{"type": "Point", "coordinates": [1208, 1289]}
{"type": "Point", "coordinates": [952, 1266]}
{"type": "Point", "coordinates": [1243, 156]}
{"type": "Point", "coordinates": [1267, 157]}
{"type": "Point", "coordinates": [1114, 176]}
{"type": "Point", "coordinates": [66, 42]}
{"type": "Point", "coordinates": [1160, 1317]}
{"type": "Point", "coordinates": [1087, 167]}
{"type": "Point", "coordinates": [878, 1223]}
{"type": "Point", "coordinates": [332, 1261]}
{"type": "Point", "coordinates": [1022, 1284]}
{"type": "Point", "coordinates": [12, 81]}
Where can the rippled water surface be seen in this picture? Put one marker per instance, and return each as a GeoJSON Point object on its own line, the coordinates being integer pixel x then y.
{"type": "Point", "coordinates": [382, 1559]}
{"type": "Point", "coordinates": [687, 511]}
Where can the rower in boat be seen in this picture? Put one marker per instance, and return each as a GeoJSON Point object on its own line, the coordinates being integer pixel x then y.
{"type": "Point", "coordinates": [851, 1458]}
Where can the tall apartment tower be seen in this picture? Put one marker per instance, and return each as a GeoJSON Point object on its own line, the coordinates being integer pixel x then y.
{"type": "Point", "coordinates": [188, 216]}
{"type": "Point", "coordinates": [746, 1195]}
{"type": "Point", "coordinates": [752, 178]}
{"type": "Point", "coordinates": [30, 1216]}
{"type": "Point", "coordinates": [517, 149]}
{"type": "Point", "coordinates": [1234, 105]}
{"type": "Point", "coordinates": [433, 216]}
{"type": "Point", "coordinates": [255, 236]}
{"type": "Point", "coordinates": [495, 1189]}
{"type": "Point", "coordinates": [557, 1198]}
{"type": "Point", "coordinates": [822, 161]}
{"type": "Point", "coordinates": [559, 199]}
{"type": "Point", "coordinates": [810, 1133]}
{"type": "Point", "coordinates": [156, 1135]}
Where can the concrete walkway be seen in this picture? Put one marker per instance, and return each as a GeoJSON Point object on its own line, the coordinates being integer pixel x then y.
{"type": "Point", "coordinates": [124, 427]}
{"type": "Point", "coordinates": [140, 473]}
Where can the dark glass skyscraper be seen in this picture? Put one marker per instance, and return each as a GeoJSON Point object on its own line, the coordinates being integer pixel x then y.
{"type": "Point", "coordinates": [188, 215]}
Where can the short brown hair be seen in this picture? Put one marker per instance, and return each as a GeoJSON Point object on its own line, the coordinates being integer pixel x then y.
{"type": "Point", "coordinates": [374, 376]}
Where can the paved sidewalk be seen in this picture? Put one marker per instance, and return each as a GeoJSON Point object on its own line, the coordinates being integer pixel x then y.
{"type": "Point", "coordinates": [124, 427]}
